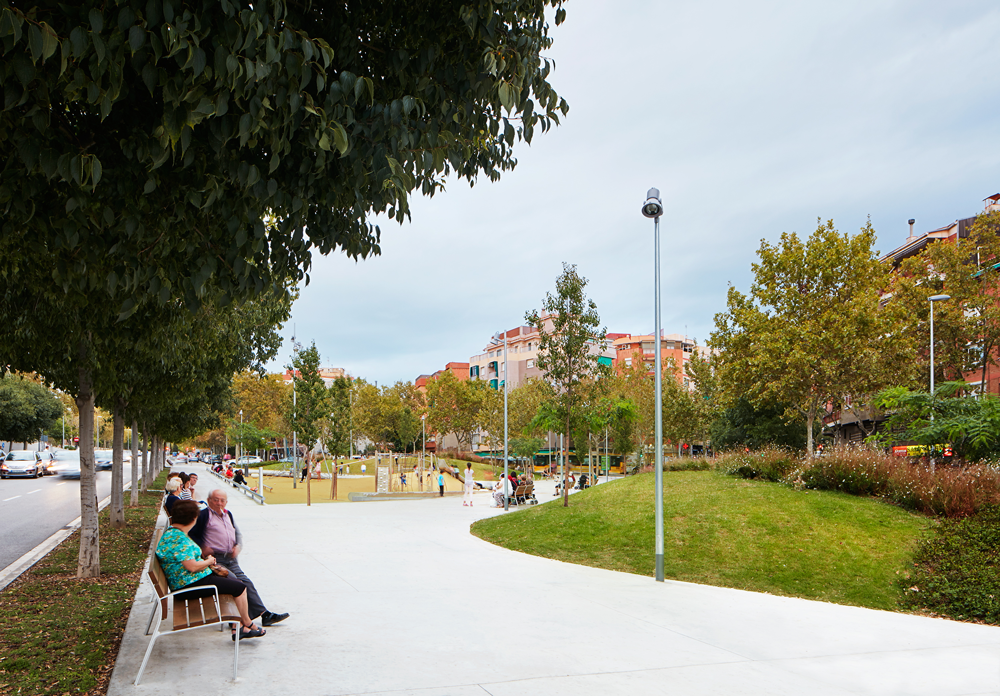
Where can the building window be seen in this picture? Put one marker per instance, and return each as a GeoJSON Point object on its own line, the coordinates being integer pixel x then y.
{"type": "Point", "coordinates": [531, 364]}
{"type": "Point", "coordinates": [628, 362]}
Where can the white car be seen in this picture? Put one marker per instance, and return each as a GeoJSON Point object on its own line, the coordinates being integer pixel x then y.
{"type": "Point", "coordinates": [248, 460]}
{"type": "Point", "coordinates": [68, 463]}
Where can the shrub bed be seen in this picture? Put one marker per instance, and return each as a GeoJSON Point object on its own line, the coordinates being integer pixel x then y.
{"type": "Point", "coordinates": [956, 571]}
{"type": "Point", "coordinates": [769, 464]}
{"type": "Point", "coordinates": [943, 490]}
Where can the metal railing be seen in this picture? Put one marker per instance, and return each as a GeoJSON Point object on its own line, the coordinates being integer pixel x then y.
{"type": "Point", "coordinates": [256, 496]}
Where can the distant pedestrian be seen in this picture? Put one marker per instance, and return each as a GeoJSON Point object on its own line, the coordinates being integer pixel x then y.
{"type": "Point", "coordinates": [467, 500]}
{"type": "Point", "coordinates": [441, 483]}
{"type": "Point", "coordinates": [364, 468]}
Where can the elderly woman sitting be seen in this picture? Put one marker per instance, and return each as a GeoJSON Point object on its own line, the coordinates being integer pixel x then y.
{"type": "Point", "coordinates": [172, 485]}
{"type": "Point", "coordinates": [182, 564]}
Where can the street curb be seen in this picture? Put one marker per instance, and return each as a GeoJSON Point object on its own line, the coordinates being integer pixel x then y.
{"type": "Point", "coordinates": [18, 567]}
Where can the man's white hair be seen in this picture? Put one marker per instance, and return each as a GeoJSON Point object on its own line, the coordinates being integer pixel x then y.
{"type": "Point", "coordinates": [219, 490]}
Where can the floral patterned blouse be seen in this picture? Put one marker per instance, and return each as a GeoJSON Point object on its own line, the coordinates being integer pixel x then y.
{"type": "Point", "coordinates": [175, 547]}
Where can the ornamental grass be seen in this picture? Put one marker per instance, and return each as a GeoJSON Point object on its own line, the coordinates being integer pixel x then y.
{"type": "Point", "coordinates": [944, 490]}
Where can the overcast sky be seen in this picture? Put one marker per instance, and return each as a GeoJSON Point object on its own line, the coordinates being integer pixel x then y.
{"type": "Point", "coordinates": [752, 119]}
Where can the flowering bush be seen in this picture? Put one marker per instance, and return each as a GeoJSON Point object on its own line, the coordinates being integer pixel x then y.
{"type": "Point", "coordinates": [944, 490]}
{"type": "Point", "coordinates": [769, 464]}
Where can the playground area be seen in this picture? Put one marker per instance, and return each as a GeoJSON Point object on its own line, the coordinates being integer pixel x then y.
{"type": "Point", "coordinates": [280, 490]}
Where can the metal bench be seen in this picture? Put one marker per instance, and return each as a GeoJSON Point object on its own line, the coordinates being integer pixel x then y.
{"type": "Point", "coordinates": [188, 612]}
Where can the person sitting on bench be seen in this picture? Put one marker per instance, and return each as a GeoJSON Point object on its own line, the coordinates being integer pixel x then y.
{"type": "Point", "coordinates": [183, 566]}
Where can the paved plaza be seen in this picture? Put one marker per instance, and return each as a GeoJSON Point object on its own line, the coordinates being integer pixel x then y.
{"type": "Point", "coordinates": [399, 598]}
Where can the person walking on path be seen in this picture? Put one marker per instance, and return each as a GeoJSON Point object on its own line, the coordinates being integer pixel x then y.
{"type": "Point", "coordinates": [216, 533]}
{"type": "Point", "coordinates": [467, 500]}
{"type": "Point", "coordinates": [441, 482]}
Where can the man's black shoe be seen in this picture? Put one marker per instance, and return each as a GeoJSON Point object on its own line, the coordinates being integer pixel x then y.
{"type": "Point", "coordinates": [269, 618]}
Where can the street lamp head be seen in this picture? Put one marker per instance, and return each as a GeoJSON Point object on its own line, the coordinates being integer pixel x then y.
{"type": "Point", "coordinates": [938, 298]}
{"type": "Point", "coordinates": [652, 208]}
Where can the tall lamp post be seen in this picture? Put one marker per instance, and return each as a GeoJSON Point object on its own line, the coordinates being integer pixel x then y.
{"type": "Point", "coordinates": [423, 447]}
{"type": "Point", "coordinates": [653, 208]}
{"type": "Point", "coordinates": [506, 480]}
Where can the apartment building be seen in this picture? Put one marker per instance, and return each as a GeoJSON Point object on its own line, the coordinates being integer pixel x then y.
{"type": "Point", "coordinates": [329, 374]}
{"type": "Point", "coordinates": [676, 347]}
{"type": "Point", "coordinates": [459, 369]}
{"type": "Point", "coordinates": [522, 356]}
{"type": "Point", "coordinates": [853, 424]}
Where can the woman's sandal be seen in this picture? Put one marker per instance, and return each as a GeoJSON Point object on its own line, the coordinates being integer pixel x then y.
{"type": "Point", "coordinates": [252, 632]}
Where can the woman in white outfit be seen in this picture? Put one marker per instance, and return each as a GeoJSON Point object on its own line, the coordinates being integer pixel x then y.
{"type": "Point", "coordinates": [467, 500]}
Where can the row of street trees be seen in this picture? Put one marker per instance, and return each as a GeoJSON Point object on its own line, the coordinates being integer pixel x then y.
{"type": "Point", "coordinates": [169, 169]}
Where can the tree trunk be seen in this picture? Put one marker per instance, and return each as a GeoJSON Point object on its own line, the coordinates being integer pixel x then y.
{"type": "Point", "coordinates": [145, 458]}
{"type": "Point", "coordinates": [810, 418]}
{"type": "Point", "coordinates": [133, 500]}
{"type": "Point", "coordinates": [565, 456]}
{"type": "Point", "coordinates": [154, 461]}
{"type": "Point", "coordinates": [89, 560]}
{"type": "Point", "coordinates": [117, 507]}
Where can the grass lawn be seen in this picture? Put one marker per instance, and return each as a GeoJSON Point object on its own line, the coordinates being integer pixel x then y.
{"type": "Point", "coordinates": [730, 532]}
{"type": "Point", "coordinates": [60, 635]}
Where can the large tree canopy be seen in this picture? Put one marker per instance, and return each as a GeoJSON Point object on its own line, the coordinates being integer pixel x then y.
{"type": "Point", "coordinates": [810, 332]}
{"type": "Point", "coordinates": [156, 148]}
{"type": "Point", "coordinates": [26, 408]}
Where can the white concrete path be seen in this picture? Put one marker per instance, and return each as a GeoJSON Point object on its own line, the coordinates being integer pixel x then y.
{"type": "Point", "coordinates": [399, 598]}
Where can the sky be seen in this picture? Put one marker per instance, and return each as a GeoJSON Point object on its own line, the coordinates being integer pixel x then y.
{"type": "Point", "coordinates": [753, 119]}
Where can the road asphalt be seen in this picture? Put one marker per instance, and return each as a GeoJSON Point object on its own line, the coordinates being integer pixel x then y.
{"type": "Point", "coordinates": [399, 598]}
{"type": "Point", "coordinates": [31, 509]}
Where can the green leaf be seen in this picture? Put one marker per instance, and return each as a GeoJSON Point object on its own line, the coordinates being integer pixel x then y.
{"type": "Point", "coordinates": [149, 77]}
{"type": "Point", "coordinates": [200, 60]}
{"type": "Point", "coordinates": [36, 42]}
{"type": "Point", "coordinates": [96, 20]}
{"type": "Point", "coordinates": [506, 95]}
{"type": "Point", "coordinates": [97, 172]}
{"type": "Point", "coordinates": [136, 37]}
{"type": "Point", "coordinates": [340, 138]}
{"type": "Point", "coordinates": [99, 47]}
{"type": "Point", "coordinates": [78, 39]}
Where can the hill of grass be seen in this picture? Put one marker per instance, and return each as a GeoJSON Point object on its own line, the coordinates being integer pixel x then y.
{"type": "Point", "coordinates": [728, 532]}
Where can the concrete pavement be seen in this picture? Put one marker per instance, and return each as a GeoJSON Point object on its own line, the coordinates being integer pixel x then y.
{"type": "Point", "coordinates": [399, 598]}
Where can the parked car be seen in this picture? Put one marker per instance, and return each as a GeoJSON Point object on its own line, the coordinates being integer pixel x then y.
{"type": "Point", "coordinates": [22, 463]}
{"type": "Point", "coordinates": [68, 463]}
{"type": "Point", "coordinates": [249, 460]}
{"type": "Point", "coordinates": [179, 458]}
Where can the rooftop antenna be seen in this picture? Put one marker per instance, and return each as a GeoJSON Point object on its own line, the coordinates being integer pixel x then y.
{"type": "Point", "coordinates": [911, 237]}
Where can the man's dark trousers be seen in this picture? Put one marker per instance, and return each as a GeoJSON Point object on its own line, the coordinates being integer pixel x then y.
{"type": "Point", "coordinates": [256, 607]}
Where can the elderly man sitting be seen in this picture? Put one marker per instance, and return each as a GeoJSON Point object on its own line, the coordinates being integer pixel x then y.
{"type": "Point", "coordinates": [217, 534]}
